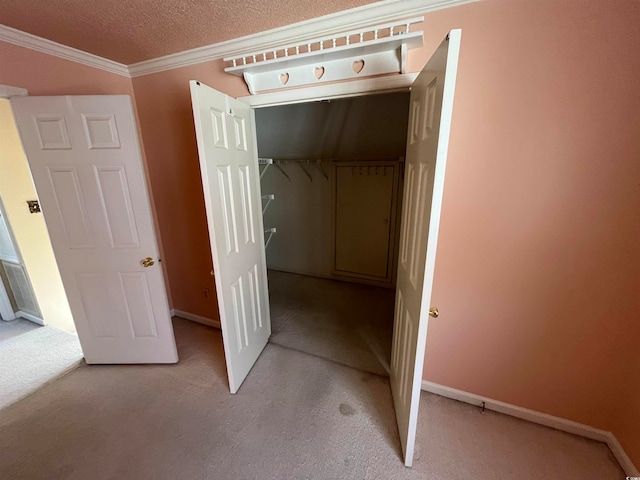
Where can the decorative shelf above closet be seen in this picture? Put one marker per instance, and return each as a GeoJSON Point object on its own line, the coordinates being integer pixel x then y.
{"type": "Point", "coordinates": [377, 50]}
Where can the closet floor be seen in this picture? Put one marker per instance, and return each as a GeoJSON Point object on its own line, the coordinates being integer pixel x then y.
{"type": "Point", "coordinates": [344, 322]}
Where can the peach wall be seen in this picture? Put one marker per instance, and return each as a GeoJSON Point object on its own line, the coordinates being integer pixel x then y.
{"type": "Point", "coordinates": [536, 276]}
{"type": "Point", "coordinates": [166, 122]}
{"type": "Point", "coordinates": [43, 74]}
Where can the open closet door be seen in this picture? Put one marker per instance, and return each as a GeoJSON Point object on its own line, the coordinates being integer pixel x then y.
{"type": "Point", "coordinates": [86, 164]}
{"type": "Point", "coordinates": [225, 130]}
{"type": "Point", "coordinates": [431, 106]}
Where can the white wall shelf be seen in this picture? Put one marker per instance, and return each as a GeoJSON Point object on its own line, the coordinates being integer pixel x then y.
{"type": "Point", "coordinates": [372, 51]}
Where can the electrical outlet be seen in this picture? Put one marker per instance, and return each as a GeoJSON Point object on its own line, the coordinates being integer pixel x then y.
{"type": "Point", "coordinates": [206, 292]}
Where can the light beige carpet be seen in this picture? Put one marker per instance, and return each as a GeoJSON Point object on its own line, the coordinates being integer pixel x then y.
{"type": "Point", "coordinates": [296, 417]}
{"type": "Point", "coordinates": [348, 323]}
{"type": "Point", "coordinates": [13, 328]}
{"type": "Point", "coordinates": [34, 358]}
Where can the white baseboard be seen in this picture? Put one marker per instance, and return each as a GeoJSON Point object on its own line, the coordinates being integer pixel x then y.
{"type": "Point", "coordinates": [31, 318]}
{"type": "Point", "coordinates": [195, 318]}
{"type": "Point", "coordinates": [539, 418]}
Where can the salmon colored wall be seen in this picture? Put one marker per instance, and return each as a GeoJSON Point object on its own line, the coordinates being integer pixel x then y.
{"type": "Point", "coordinates": [536, 276]}
{"type": "Point", "coordinates": [43, 74]}
{"type": "Point", "coordinates": [166, 122]}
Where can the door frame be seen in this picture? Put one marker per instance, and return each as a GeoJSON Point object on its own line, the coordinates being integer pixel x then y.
{"type": "Point", "coordinates": [381, 85]}
{"type": "Point", "coordinates": [5, 302]}
{"type": "Point", "coordinates": [6, 92]}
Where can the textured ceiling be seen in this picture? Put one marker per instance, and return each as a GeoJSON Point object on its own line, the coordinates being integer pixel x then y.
{"type": "Point", "coordinates": [129, 31]}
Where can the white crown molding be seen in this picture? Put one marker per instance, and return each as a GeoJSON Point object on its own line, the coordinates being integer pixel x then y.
{"type": "Point", "coordinates": [7, 91]}
{"type": "Point", "coordinates": [539, 418]}
{"type": "Point", "coordinates": [24, 39]}
{"type": "Point", "coordinates": [335, 23]}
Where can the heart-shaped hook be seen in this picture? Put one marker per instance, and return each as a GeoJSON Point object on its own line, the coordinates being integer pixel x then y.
{"type": "Point", "coordinates": [318, 72]}
{"type": "Point", "coordinates": [284, 78]}
{"type": "Point", "coordinates": [357, 66]}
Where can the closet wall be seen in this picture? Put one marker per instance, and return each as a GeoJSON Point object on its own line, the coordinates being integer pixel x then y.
{"type": "Point", "coordinates": [307, 142]}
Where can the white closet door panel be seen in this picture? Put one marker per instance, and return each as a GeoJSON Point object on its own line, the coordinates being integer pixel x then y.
{"type": "Point", "coordinates": [225, 130]}
{"type": "Point", "coordinates": [427, 145]}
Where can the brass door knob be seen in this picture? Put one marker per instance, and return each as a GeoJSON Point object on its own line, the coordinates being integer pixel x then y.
{"type": "Point", "coordinates": [434, 312]}
{"type": "Point", "coordinates": [147, 262]}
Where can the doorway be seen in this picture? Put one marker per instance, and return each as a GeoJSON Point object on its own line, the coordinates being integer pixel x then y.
{"type": "Point", "coordinates": [331, 181]}
{"type": "Point", "coordinates": [36, 339]}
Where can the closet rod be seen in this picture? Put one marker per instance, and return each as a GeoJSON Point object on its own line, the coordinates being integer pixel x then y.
{"type": "Point", "coordinates": [284, 161]}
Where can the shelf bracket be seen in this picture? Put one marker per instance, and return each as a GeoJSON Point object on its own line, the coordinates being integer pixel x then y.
{"type": "Point", "coordinates": [321, 168]}
{"type": "Point", "coordinates": [305, 172]}
{"type": "Point", "coordinates": [282, 171]}
{"type": "Point", "coordinates": [271, 231]}
{"type": "Point", "coordinates": [269, 198]}
{"type": "Point", "coordinates": [266, 162]}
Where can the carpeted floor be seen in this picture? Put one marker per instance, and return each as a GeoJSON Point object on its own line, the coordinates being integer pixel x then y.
{"type": "Point", "coordinates": [345, 322]}
{"type": "Point", "coordinates": [296, 417]}
{"type": "Point", "coordinates": [13, 328]}
{"type": "Point", "coordinates": [33, 358]}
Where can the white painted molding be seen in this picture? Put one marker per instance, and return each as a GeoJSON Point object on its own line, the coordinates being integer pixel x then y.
{"type": "Point", "coordinates": [24, 39]}
{"type": "Point", "coordinates": [31, 318]}
{"type": "Point", "coordinates": [379, 50]}
{"type": "Point", "coordinates": [7, 91]}
{"type": "Point", "coordinates": [328, 25]}
{"type": "Point", "coordinates": [539, 418]}
{"type": "Point", "coordinates": [6, 309]}
{"type": "Point", "coordinates": [354, 88]}
{"type": "Point", "coordinates": [195, 318]}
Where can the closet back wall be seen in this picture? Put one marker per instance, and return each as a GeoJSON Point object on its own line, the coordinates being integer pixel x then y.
{"type": "Point", "coordinates": [367, 127]}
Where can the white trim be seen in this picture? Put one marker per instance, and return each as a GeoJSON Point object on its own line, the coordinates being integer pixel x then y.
{"type": "Point", "coordinates": [355, 88]}
{"type": "Point", "coordinates": [354, 18]}
{"type": "Point", "coordinates": [539, 418]}
{"type": "Point", "coordinates": [195, 318]}
{"type": "Point", "coordinates": [7, 91]}
{"type": "Point", "coordinates": [24, 39]}
{"type": "Point", "coordinates": [6, 309]}
{"type": "Point", "coordinates": [31, 318]}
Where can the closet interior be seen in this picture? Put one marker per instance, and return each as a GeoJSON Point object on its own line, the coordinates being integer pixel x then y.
{"type": "Point", "coordinates": [332, 181]}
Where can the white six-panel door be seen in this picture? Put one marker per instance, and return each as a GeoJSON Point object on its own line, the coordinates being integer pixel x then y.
{"type": "Point", "coordinates": [86, 164]}
{"type": "Point", "coordinates": [225, 131]}
{"type": "Point", "coordinates": [431, 106]}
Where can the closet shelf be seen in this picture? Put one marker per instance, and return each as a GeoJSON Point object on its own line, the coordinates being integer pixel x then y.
{"type": "Point", "coordinates": [377, 50]}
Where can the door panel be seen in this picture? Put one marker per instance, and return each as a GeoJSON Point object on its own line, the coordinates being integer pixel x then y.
{"type": "Point", "coordinates": [85, 160]}
{"type": "Point", "coordinates": [225, 130]}
{"type": "Point", "coordinates": [431, 106]}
